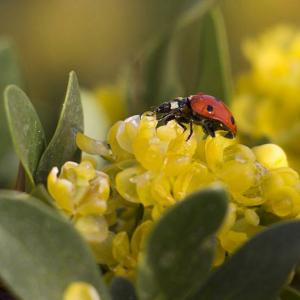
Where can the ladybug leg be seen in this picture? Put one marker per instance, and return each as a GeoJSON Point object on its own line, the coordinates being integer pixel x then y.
{"type": "Point", "coordinates": [229, 135]}
{"type": "Point", "coordinates": [191, 131]}
{"type": "Point", "coordinates": [163, 121]}
{"type": "Point", "coordinates": [211, 132]}
{"type": "Point", "coordinates": [180, 120]}
{"type": "Point", "coordinates": [181, 125]}
{"type": "Point", "coordinates": [206, 134]}
{"type": "Point", "coordinates": [208, 130]}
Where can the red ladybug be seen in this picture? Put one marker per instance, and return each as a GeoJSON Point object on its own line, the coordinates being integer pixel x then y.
{"type": "Point", "coordinates": [204, 110]}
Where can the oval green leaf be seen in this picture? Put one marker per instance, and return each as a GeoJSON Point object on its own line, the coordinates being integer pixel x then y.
{"type": "Point", "coordinates": [25, 128]}
{"type": "Point", "coordinates": [40, 252]}
{"type": "Point", "coordinates": [180, 249]}
{"type": "Point", "coordinates": [62, 146]}
{"type": "Point", "coordinates": [259, 269]}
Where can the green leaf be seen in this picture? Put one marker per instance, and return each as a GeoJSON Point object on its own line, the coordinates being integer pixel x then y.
{"type": "Point", "coordinates": [191, 57]}
{"type": "Point", "coordinates": [214, 75]}
{"type": "Point", "coordinates": [290, 293]}
{"type": "Point", "coordinates": [40, 252]}
{"type": "Point", "coordinates": [122, 289]}
{"type": "Point", "coordinates": [9, 74]}
{"type": "Point", "coordinates": [62, 146]}
{"type": "Point", "coordinates": [41, 193]}
{"type": "Point", "coordinates": [153, 78]}
{"type": "Point", "coordinates": [25, 129]}
{"type": "Point", "coordinates": [259, 269]}
{"type": "Point", "coordinates": [193, 10]}
{"type": "Point", "coordinates": [180, 249]}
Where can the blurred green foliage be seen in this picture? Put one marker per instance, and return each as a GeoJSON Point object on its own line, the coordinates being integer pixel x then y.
{"type": "Point", "coordinates": [9, 74]}
{"type": "Point", "coordinates": [95, 38]}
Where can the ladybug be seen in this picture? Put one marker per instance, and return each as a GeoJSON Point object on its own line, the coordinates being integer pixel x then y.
{"type": "Point", "coordinates": [200, 109]}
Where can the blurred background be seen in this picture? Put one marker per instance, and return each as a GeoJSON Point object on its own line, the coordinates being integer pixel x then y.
{"type": "Point", "coordinates": [96, 37]}
{"type": "Point", "coordinates": [181, 46]}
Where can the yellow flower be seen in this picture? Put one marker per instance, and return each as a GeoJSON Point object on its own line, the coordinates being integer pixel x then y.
{"type": "Point", "coordinates": [267, 104]}
{"type": "Point", "coordinates": [126, 252]}
{"type": "Point", "coordinates": [81, 291]}
{"type": "Point", "coordinates": [81, 193]}
{"type": "Point", "coordinates": [79, 190]}
{"type": "Point", "coordinates": [152, 169]}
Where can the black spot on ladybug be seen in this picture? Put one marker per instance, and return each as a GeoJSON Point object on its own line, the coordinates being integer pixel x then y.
{"type": "Point", "coordinates": [209, 108]}
{"type": "Point", "coordinates": [232, 120]}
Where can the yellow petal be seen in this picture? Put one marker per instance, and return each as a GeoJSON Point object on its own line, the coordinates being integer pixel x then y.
{"type": "Point", "coordinates": [219, 255]}
{"type": "Point", "coordinates": [193, 178]}
{"type": "Point", "coordinates": [143, 187]}
{"type": "Point", "coordinates": [248, 201]}
{"type": "Point", "coordinates": [167, 133]}
{"type": "Point", "coordinates": [282, 201]}
{"type": "Point", "coordinates": [103, 250]}
{"type": "Point", "coordinates": [94, 206]}
{"type": "Point", "coordinates": [127, 131]}
{"type": "Point", "coordinates": [85, 171]}
{"type": "Point", "coordinates": [149, 153]}
{"type": "Point", "coordinates": [93, 146]}
{"type": "Point", "coordinates": [270, 156]}
{"type": "Point", "coordinates": [81, 291]}
{"type": "Point", "coordinates": [125, 184]}
{"type": "Point", "coordinates": [233, 240]}
{"type": "Point", "coordinates": [162, 191]}
{"type": "Point", "coordinates": [214, 151]}
{"type": "Point", "coordinates": [139, 236]}
{"type": "Point", "coordinates": [120, 246]}
{"type": "Point", "coordinates": [118, 152]}
{"type": "Point", "coordinates": [251, 217]}
{"type": "Point", "coordinates": [100, 185]}
{"type": "Point", "coordinates": [157, 211]}
{"type": "Point", "coordinates": [229, 220]}
{"type": "Point", "coordinates": [93, 228]}
{"type": "Point", "coordinates": [239, 176]}
{"type": "Point", "coordinates": [61, 190]}
{"type": "Point", "coordinates": [239, 153]}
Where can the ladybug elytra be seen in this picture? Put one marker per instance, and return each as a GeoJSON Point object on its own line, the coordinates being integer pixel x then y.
{"type": "Point", "coordinates": [204, 110]}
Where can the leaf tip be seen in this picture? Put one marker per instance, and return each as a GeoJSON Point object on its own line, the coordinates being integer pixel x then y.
{"type": "Point", "coordinates": [9, 88]}
{"type": "Point", "coordinates": [73, 76]}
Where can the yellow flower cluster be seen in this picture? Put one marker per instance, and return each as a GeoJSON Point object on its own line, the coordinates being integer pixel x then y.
{"type": "Point", "coordinates": [81, 193]}
{"type": "Point", "coordinates": [158, 167]}
{"type": "Point", "coordinates": [151, 169]}
{"type": "Point", "coordinates": [267, 104]}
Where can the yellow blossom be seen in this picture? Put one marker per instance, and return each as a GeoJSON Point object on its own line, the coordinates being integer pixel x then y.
{"type": "Point", "coordinates": [81, 193]}
{"type": "Point", "coordinates": [267, 104]}
{"type": "Point", "coordinates": [126, 252]}
{"type": "Point", "coordinates": [167, 168]}
{"type": "Point", "coordinates": [151, 169]}
{"type": "Point", "coordinates": [79, 190]}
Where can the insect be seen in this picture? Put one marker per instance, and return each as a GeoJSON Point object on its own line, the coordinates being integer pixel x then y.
{"type": "Point", "coordinates": [204, 110]}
